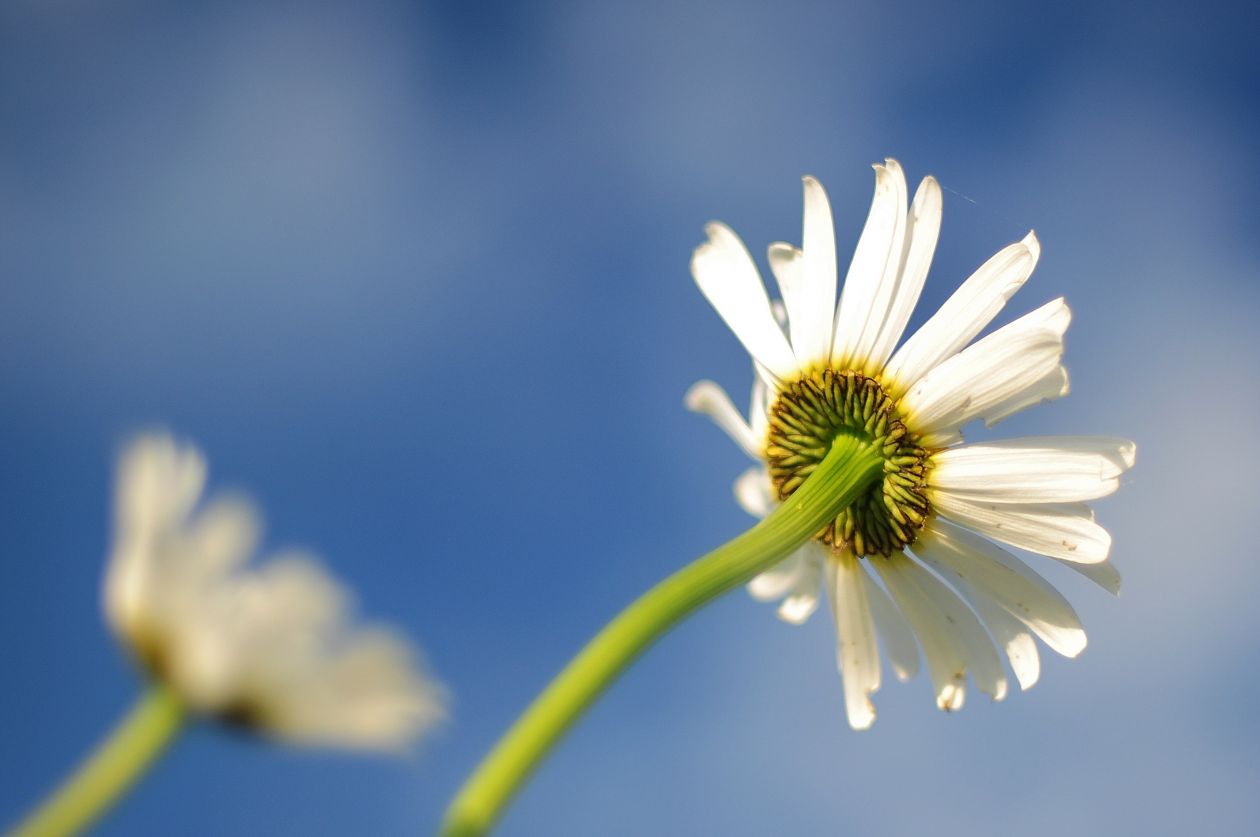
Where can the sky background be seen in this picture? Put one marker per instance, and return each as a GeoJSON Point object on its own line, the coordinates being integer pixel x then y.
{"type": "Point", "coordinates": [416, 278]}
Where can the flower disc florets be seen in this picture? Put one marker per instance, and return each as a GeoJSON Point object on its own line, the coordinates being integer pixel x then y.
{"type": "Point", "coordinates": [808, 415]}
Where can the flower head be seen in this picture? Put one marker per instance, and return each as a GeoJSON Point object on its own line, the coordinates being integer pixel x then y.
{"type": "Point", "coordinates": [268, 647]}
{"type": "Point", "coordinates": [912, 562]}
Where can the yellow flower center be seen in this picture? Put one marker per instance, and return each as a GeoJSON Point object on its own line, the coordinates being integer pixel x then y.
{"type": "Point", "coordinates": [808, 415]}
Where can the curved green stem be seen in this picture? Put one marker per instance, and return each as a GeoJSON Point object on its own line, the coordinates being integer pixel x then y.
{"type": "Point", "coordinates": [846, 471]}
{"type": "Point", "coordinates": [115, 766]}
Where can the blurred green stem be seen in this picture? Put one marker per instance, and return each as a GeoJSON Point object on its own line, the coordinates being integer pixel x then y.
{"type": "Point", "coordinates": [112, 769]}
{"type": "Point", "coordinates": [847, 470]}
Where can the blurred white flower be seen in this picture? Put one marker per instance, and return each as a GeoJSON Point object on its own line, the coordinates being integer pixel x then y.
{"type": "Point", "coordinates": [823, 369]}
{"type": "Point", "coordinates": [268, 647]}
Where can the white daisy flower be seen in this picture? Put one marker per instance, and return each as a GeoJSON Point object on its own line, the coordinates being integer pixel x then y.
{"type": "Point", "coordinates": [268, 647]}
{"type": "Point", "coordinates": [913, 560]}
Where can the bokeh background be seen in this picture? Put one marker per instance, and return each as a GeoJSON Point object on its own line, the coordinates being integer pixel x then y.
{"type": "Point", "coordinates": [415, 276]}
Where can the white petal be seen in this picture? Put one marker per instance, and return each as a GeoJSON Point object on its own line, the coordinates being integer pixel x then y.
{"type": "Point", "coordinates": [952, 638]}
{"type": "Point", "coordinates": [301, 598]}
{"type": "Point", "coordinates": [775, 582]}
{"type": "Point", "coordinates": [786, 263]}
{"type": "Point", "coordinates": [764, 375]}
{"type": "Point", "coordinates": [239, 641]}
{"type": "Point", "coordinates": [203, 659]}
{"type": "Point", "coordinates": [1059, 530]}
{"type": "Point", "coordinates": [857, 655]}
{"type": "Point", "coordinates": [710, 399]}
{"type": "Point", "coordinates": [977, 647]}
{"type": "Point", "coordinates": [1054, 384]}
{"type": "Point", "coordinates": [922, 229]}
{"type": "Point", "coordinates": [988, 376]}
{"type": "Point", "coordinates": [728, 278]}
{"type": "Point", "coordinates": [1049, 469]}
{"type": "Point", "coordinates": [867, 293]}
{"type": "Point", "coordinates": [1013, 638]}
{"type": "Point", "coordinates": [802, 598]}
{"type": "Point", "coordinates": [885, 291]}
{"type": "Point", "coordinates": [945, 663]}
{"type": "Point", "coordinates": [1010, 634]}
{"type": "Point", "coordinates": [1104, 574]}
{"type": "Point", "coordinates": [894, 634]}
{"type": "Point", "coordinates": [779, 310]}
{"type": "Point", "coordinates": [367, 695]}
{"type": "Point", "coordinates": [1054, 315]}
{"type": "Point", "coordinates": [752, 492]}
{"type": "Point", "coordinates": [159, 482]}
{"type": "Point", "coordinates": [964, 315]}
{"type": "Point", "coordinates": [315, 679]}
{"type": "Point", "coordinates": [218, 540]}
{"type": "Point", "coordinates": [971, 561]}
{"type": "Point", "coordinates": [796, 579]}
{"type": "Point", "coordinates": [759, 411]}
{"type": "Point", "coordinates": [807, 279]}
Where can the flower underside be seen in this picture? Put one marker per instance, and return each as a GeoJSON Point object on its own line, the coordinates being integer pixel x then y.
{"type": "Point", "coordinates": [157, 658]}
{"type": "Point", "coordinates": [806, 418]}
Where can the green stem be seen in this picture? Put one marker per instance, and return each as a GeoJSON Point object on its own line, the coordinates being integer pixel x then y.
{"type": "Point", "coordinates": [119, 761]}
{"type": "Point", "coordinates": [846, 471]}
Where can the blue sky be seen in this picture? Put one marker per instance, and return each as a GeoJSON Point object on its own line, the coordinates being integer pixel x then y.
{"type": "Point", "coordinates": [415, 277]}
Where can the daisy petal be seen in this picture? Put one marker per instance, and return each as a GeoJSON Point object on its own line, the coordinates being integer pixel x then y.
{"type": "Point", "coordinates": [868, 285]}
{"type": "Point", "coordinates": [299, 595]}
{"type": "Point", "coordinates": [922, 230]}
{"type": "Point", "coordinates": [1104, 573]}
{"type": "Point", "coordinates": [727, 276]}
{"type": "Point", "coordinates": [952, 638]}
{"type": "Point", "coordinates": [991, 375]}
{"type": "Point", "coordinates": [366, 696]}
{"type": "Point", "coordinates": [886, 290]}
{"type": "Point", "coordinates": [894, 634]}
{"type": "Point", "coordinates": [816, 303]}
{"type": "Point", "coordinates": [159, 483]}
{"type": "Point", "coordinates": [221, 538]}
{"type": "Point", "coordinates": [802, 598]}
{"type": "Point", "coordinates": [992, 573]}
{"type": "Point", "coordinates": [764, 375]}
{"type": "Point", "coordinates": [1060, 530]}
{"type": "Point", "coordinates": [775, 582]}
{"type": "Point", "coordinates": [945, 663]}
{"type": "Point", "coordinates": [974, 642]}
{"type": "Point", "coordinates": [752, 492]}
{"type": "Point", "coordinates": [710, 399]}
{"type": "Point", "coordinates": [1051, 469]}
{"type": "Point", "coordinates": [1054, 384]}
{"type": "Point", "coordinates": [964, 315]}
{"type": "Point", "coordinates": [857, 655]}
{"type": "Point", "coordinates": [759, 410]}
{"type": "Point", "coordinates": [1013, 638]}
{"type": "Point", "coordinates": [787, 265]}
{"type": "Point", "coordinates": [1011, 635]}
